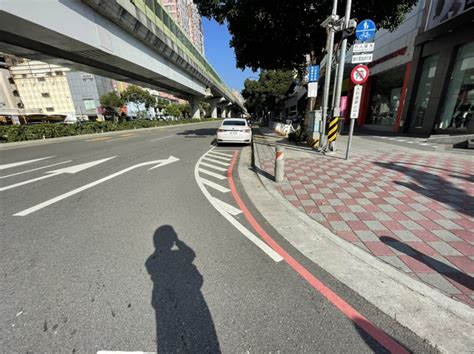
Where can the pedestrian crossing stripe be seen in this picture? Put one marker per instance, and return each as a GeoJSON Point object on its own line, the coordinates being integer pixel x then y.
{"type": "Point", "coordinates": [333, 126]}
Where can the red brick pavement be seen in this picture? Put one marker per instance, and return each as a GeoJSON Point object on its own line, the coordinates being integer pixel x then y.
{"type": "Point", "coordinates": [414, 211]}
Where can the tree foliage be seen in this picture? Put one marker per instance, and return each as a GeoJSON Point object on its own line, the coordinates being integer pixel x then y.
{"type": "Point", "coordinates": [138, 96]}
{"type": "Point", "coordinates": [278, 34]}
{"type": "Point", "coordinates": [185, 109]}
{"type": "Point", "coordinates": [111, 100]}
{"type": "Point", "coordinates": [265, 94]}
{"type": "Point", "coordinates": [161, 103]}
{"type": "Point", "coordinates": [173, 110]}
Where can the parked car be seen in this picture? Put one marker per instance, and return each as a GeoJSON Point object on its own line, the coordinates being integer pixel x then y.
{"type": "Point", "coordinates": [234, 130]}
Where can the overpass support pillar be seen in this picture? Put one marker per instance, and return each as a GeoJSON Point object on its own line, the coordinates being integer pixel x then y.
{"type": "Point", "coordinates": [194, 102]}
{"type": "Point", "coordinates": [224, 112]}
{"type": "Point", "coordinates": [213, 103]}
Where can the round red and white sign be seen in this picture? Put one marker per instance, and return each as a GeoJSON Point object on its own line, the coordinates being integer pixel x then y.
{"type": "Point", "coordinates": [360, 74]}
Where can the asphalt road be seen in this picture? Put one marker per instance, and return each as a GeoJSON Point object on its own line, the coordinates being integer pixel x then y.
{"type": "Point", "coordinates": [142, 261]}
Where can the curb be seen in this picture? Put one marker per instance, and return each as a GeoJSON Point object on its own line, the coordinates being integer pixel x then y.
{"type": "Point", "coordinates": [26, 143]}
{"type": "Point", "coordinates": [442, 321]}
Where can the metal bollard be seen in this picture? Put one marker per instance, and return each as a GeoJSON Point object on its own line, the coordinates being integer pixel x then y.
{"type": "Point", "coordinates": [279, 164]}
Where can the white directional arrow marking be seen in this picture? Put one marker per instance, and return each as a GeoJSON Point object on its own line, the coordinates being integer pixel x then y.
{"type": "Point", "coordinates": [49, 174]}
{"type": "Point", "coordinates": [14, 164]}
{"type": "Point", "coordinates": [37, 207]}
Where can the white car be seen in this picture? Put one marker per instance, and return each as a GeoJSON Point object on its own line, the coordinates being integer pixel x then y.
{"type": "Point", "coordinates": [234, 130]}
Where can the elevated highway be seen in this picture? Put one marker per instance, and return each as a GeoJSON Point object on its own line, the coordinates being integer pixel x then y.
{"type": "Point", "coordinates": [130, 40]}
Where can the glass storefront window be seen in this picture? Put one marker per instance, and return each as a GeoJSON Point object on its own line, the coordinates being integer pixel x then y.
{"type": "Point", "coordinates": [458, 108]}
{"type": "Point", "coordinates": [424, 90]}
{"type": "Point", "coordinates": [386, 90]}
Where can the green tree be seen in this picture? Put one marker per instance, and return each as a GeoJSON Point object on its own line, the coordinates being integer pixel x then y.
{"type": "Point", "coordinates": [265, 94]}
{"type": "Point", "coordinates": [173, 109]}
{"type": "Point", "coordinates": [161, 103]}
{"type": "Point", "coordinates": [185, 109]}
{"type": "Point", "coordinates": [278, 34]}
{"type": "Point", "coordinates": [112, 101]}
{"type": "Point", "coordinates": [137, 96]}
{"type": "Point", "coordinates": [205, 108]}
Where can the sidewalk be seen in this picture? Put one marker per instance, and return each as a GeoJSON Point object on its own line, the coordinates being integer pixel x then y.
{"type": "Point", "coordinates": [412, 209]}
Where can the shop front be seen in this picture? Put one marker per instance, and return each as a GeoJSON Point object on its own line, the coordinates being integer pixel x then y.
{"type": "Point", "coordinates": [384, 93]}
{"type": "Point", "coordinates": [385, 99]}
{"type": "Point", "coordinates": [441, 91]}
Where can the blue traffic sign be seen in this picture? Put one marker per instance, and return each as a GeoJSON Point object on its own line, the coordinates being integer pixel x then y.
{"type": "Point", "coordinates": [313, 73]}
{"type": "Point", "coordinates": [365, 31]}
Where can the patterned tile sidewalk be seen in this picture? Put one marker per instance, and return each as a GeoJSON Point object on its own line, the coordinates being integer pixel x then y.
{"type": "Point", "coordinates": [414, 210]}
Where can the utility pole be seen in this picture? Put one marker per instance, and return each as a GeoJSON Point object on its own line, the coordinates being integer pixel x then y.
{"type": "Point", "coordinates": [342, 60]}
{"type": "Point", "coordinates": [329, 24]}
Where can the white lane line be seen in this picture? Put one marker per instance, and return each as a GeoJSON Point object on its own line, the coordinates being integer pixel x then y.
{"type": "Point", "coordinates": [69, 170]}
{"type": "Point", "coordinates": [214, 152]}
{"type": "Point", "coordinates": [165, 137]}
{"type": "Point", "coordinates": [227, 207]}
{"type": "Point", "coordinates": [35, 169]}
{"type": "Point", "coordinates": [249, 235]}
{"type": "Point", "coordinates": [15, 164]}
{"type": "Point", "coordinates": [215, 185]}
{"type": "Point", "coordinates": [222, 169]}
{"type": "Point", "coordinates": [37, 207]}
{"type": "Point", "coordinates": [212, 174]}
{"type": "Point", "coordinates": [219, 157]}
{"type": "Point", "coordinates": [217, 162]}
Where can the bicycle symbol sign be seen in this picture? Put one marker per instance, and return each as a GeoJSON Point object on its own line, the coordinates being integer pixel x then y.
{"type": "Point", "coordinates": [365, 31]}
{"type": "Point", "coordinates": [360, 74]}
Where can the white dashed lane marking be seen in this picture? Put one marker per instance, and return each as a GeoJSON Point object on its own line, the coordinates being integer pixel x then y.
{"type": "Point", "coordinates": [218, 157]}
{"type": "Point", "coordinates": [220, 153]}
{"type": "Point", "coordinates": [214, 167]}
{"type": "Point", "coordinates": [212, 174]}
{"type": "Point", "coordinates": [215, 186]}
{"type": "Point", "coordinates": [215, 160]}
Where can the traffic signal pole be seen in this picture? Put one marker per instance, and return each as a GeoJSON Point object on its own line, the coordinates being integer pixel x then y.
{"type": "Point", "coordinates": [327, 75]}
{"type": "Point", "coordinates": [342, 60]}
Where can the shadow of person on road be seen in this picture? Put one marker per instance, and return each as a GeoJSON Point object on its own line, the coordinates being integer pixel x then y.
{"type": "Point", "coordinates": [183, 319]}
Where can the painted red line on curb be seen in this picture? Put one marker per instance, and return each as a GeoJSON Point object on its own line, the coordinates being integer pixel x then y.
{"type": "Point", "coordinates": [356, 317]}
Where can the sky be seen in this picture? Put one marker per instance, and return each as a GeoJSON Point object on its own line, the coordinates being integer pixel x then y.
{"type": "Point", "coordinates": [221, 56]}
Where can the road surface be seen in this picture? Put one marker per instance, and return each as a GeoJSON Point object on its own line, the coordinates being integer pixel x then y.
{"type": "Point", "coordinates": [134, 242]}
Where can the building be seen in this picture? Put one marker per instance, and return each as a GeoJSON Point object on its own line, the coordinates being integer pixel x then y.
{"type": "Point", "coordinates": [43, 87]}
{"type": "Point", "coordinates": [86, 90]}
{"type": "Point", "coordinates": [384, 92]}
{"type": "Point", "coordinates": [195, 26]}
{"type": "Point", "coordinates": [422, 76]}
{"type": "Point", "coordinates": [440, 94]}
{"type": "Point", "coordinates": [10, 101]}
{"type": "Point", "coordinates": [186, 14]}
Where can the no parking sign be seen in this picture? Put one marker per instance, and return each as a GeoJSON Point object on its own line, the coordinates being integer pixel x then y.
{"type": "Point", "coordinates": [360, 74]}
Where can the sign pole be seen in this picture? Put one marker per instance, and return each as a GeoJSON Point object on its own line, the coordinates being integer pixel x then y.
{"type": "Point", "coordinates": [354, 115]}
{"type": "Point", "coordinates": [349, 142]}
{"type": "Point", "coordinates": [342, 61]}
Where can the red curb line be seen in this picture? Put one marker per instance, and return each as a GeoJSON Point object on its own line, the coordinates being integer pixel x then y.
{"type": "Point", "coordinates": [351, 313]}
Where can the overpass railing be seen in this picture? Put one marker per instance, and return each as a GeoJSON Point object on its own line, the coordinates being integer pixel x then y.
{"type": "Point", "coordinates": [158, 14]}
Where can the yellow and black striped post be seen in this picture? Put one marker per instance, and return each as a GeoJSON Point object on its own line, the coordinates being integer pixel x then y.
{"type": "Point", "coordinates": [333, 128]}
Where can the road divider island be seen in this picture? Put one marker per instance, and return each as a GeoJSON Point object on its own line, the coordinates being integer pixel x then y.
{"type": "Point", "coordinates": [14, 133]}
